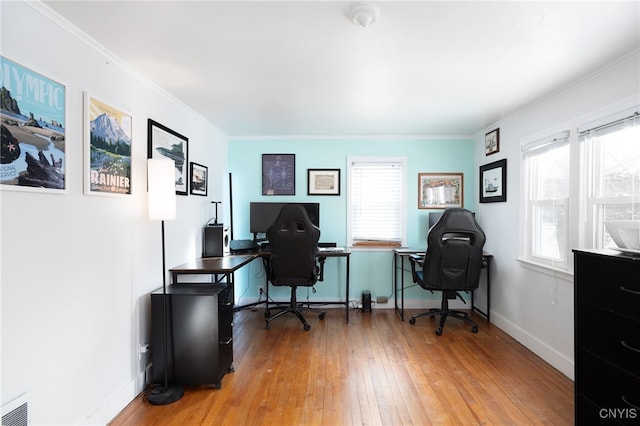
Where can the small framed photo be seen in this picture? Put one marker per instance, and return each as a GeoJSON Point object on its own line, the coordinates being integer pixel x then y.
{"type": "Point", "coordinates": [164, 142]}
{"type": "Point", "coordinates": [440, 190]}
{"type": "Point", "coordinates": [492, 142]}
{"type": "Point", "coordinates": [493, 182]}
{"type": "Point", "coordinates": [323, 181]}
{"type": "Point", "coordinates": [278, 174]}
{"type": "Point", "coordinates": [199, 179]}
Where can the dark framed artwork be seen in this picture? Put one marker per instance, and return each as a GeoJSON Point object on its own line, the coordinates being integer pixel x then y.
{"type": "Point", "coordinates": [278, 174]}
{"type": "Point", "coordinates": [199, 179]}
{"type": "Point", "coordinates": [33, 131]}
{"type": "Point", "coordinates": [164, 142]}
{"type": "Point", "coordinates": [492, 142]}
{"type": "Point", "coordinates": [107, 149]}
{"type": "Point", "coordinates": [323, 181]}
{"type": "Point", "coordinates": [493, 182]}
{"type": "Point", "coordinates": [440, 190]}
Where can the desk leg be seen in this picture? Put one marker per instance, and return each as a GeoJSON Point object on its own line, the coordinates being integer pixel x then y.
{"type": "Point", "coordinates": [346, 302]}
{"type": "Point", "coordinates": [488, 281]}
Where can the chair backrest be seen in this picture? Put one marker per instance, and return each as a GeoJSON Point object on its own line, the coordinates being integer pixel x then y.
{"type": "Point", "coordinates": [293, 240]}
{"type": "Point", "coordinates": [454, 252]}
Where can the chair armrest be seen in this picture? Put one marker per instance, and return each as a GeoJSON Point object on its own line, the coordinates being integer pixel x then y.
{"type": "Point", "coordinates": [321, 261]}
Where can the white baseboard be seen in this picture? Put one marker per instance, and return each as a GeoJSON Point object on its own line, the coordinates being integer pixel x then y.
{"type": "Point", "coordinates": [559, 361]}
{"type": "Point", "coordinates": [117, 402]}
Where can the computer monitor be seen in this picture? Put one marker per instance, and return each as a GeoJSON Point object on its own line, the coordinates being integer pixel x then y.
{"type": "Point", "coordinates": [262, 215]}
{"type": "Point", "coordinates": [434, 217]}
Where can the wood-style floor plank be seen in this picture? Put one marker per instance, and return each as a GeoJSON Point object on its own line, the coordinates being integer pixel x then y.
{"type": "Point", "coordinates": [377, 370]}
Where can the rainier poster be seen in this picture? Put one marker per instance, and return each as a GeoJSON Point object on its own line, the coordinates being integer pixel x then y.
{"type": "Point", "coordinates": [32, 114]}
{"type": "Point", "coordinates": [109, 149]}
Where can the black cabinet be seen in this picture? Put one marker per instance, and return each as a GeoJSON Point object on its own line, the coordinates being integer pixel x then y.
{"type": "Point", "coordinates": [199, 325]}
{"type": "Point", "coordinates": [607, 337]}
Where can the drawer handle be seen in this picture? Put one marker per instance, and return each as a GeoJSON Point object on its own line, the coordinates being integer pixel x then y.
{"type": "Point", "coordinates": [628, 346]}
{"type": "Point", "coordinates": [227, 342]}
{"type": "Point", "coordinates": [626, 290]}
{"type": "Point", "coordinates": [628, 403]}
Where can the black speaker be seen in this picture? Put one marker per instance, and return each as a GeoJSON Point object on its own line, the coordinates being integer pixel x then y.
{"type": "Point", "coordinates": [215, 242]}
{"type": "Point", "coordinates": [366, 301]}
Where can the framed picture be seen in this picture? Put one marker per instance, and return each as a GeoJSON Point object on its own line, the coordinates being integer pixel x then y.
{"type": "Point", "coordinates": [164, 142]}
{"type": "Point", "coordinates": [493, 182]}
{"type": "Point", "coordinates": [440, 190]}
{"type": "Point", "coordinates": [199, 179]}
{"type": "Point", "coordinates": [33, 131]}
{"type": "Point", "coordinates": [278, 174]}
{"type": "Point", "coordinates": [492, 142]}
{"type": "Point", "coordinates": [107, 149]}
{"type": "Point", "coordinates": [323, 181]}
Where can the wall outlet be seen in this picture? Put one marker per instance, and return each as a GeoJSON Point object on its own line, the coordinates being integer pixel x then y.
{"type": "Point", "coordinates": [382, 299]}
{"type": "Point", "coordinates": [143, 348]}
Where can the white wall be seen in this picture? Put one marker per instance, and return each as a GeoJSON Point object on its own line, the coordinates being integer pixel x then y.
{"type": "Point", "coordinates": [535, 305]}
{"type": "Point", "coordinates": [76, 270]}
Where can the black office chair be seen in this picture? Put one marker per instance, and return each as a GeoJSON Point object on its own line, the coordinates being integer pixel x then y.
{"type": "Point", "coordinates": [452, 262]}
{"type": "Point", "coordinates": [293, 241]}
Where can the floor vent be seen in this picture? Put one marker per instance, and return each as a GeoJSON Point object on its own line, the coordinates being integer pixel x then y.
{"type": "Point", "coordinates": [16, 412]}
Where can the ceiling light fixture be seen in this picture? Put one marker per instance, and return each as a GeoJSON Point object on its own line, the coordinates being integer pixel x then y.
{"type": "Point", "coordinates": [364, 15]}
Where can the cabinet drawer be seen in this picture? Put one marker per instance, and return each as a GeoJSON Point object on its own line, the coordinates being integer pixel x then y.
{"type": "Point", "coordinates": [607, 387]}
{"type": "Point", "coordinates": [609, 283]}
{"type": "Point", "coordinates": [612, 337]}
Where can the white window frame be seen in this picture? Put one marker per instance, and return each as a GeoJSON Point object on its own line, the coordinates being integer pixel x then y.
{"type": "Point", "coordinates": [529, 205]}
{"type": "Point", "coordinates": [585, 224]}
{"type": "Point", "coordinates": [593, 232]}
{"type": "Point", "coordinates": [402, 161]}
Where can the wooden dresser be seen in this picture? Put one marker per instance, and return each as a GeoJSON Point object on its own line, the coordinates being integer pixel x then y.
{"type": "Point", "coordinates": [607, 337]}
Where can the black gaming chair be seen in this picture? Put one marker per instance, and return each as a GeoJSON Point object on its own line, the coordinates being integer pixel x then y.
{"type": "Point", "coordinates": [293, 241]}
{"type": "Point", "coordinates": [452, 262]}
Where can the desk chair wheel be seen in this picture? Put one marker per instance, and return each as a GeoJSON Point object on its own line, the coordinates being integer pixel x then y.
{"type": "Point", "coordinates": [474, 329]}
{"type": "Point", "coordinates": [322, 315]}
{"type": "Point", "coordinates": [412, 320]}
{"type": "Point", "coordinates": [306, 327]}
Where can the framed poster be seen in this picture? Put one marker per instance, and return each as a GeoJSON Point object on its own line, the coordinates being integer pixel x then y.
{"type": "Point", "coordinates": [492, 142]}
{"type": "Point", "coordinates": [440, 190]}
{"type": "Point", "coordinates": [493, 182]}
{"type": "Point", "coordinates": [33, 130]}
{"type": "Point", "coordinates": [107, 149]}
{"type": "Point", "coordinates": [278, 174]}
{"type": "Point", "coordinates": [164, 142]}
{"type": "Point", "coordinates": [323, 181]}
{"type": "Point", "coordinates": [199, 179]}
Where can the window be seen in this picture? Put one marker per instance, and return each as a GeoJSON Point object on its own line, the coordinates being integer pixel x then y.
{"type": "Point", "coordinates": [612, 176]}
{"type": "Point", "coordinates": [576, 181]}
{"type": "Point", "coordinates": [376, 201]}
{"type": "Point", "coordinates": [546, 168]}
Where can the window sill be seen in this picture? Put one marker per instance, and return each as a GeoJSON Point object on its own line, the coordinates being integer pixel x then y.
{"type": "Point", "coordinates": [563, 274]}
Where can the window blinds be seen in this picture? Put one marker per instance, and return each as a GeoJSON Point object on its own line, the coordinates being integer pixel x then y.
{"type": "Point", "coordinates": [376, 201]}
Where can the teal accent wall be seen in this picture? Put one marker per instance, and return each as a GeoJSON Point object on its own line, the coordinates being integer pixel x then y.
{"type": "Point", "coordinates": [370, 270]}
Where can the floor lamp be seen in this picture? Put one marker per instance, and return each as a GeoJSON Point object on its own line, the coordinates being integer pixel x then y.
{"type": "Point", "coordinates": [162, 205]}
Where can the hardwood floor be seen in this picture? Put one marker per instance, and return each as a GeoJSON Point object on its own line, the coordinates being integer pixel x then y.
{"type": "Point", "coordinates": [376, 370]}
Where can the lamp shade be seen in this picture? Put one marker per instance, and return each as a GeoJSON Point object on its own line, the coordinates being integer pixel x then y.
{"type": "Point", "coordinates": [162, 189]}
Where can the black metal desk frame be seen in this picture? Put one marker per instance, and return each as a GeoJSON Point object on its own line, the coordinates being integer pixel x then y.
{"type": "Point", "coordinates": [402, 253]}
{"type": "Point", "coordinates": [322, 257]}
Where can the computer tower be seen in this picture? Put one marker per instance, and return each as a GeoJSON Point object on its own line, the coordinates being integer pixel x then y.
{"type": "Point", "coordinates": [366, 301]}
{"type": "Point", "coordinates": [215, 242]}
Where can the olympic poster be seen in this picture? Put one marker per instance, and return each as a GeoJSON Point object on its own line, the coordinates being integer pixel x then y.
{"type": "Point", "coordinates": [32, 115]}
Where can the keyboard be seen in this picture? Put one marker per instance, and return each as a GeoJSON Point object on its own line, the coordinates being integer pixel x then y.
{"type": "Point", "coordinates": [330, 249]}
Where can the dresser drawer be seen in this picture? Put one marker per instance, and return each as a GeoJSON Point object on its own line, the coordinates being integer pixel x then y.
{"type": "Point", "coordinates": [607, 386]}
{"type": "Point", "coordinates": [608, 283]}
{"type": "Point", "coordinates": [612, 337]}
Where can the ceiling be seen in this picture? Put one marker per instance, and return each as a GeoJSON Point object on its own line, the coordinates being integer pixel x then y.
{"type": "Point", "coordinates": [270, 68]}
